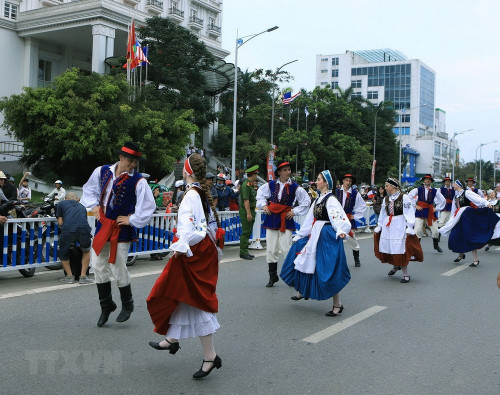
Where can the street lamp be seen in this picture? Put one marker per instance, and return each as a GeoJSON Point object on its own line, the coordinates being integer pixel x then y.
{"type": "Point", "coordinates": [272, 111]}
{"type": "Point", "coordinates": [380, 106]}
{"type": "Point", "coordinates": [239, 43]}
{"type": "Point", "coordinates": [453, 160]}
{"type": "Point", "coordinates": [479, 148]}
{"type": "Point", "coordinates": [400, 129]}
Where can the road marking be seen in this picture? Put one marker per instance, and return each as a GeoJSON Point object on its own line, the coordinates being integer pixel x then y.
{"type": "Point", "coordinates": [344, 324]}
{"type": "Point", "coordinates": [455, 270]}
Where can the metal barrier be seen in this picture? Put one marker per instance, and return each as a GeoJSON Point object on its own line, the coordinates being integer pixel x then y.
{"type": "Point", "coordinates": [33, 242]}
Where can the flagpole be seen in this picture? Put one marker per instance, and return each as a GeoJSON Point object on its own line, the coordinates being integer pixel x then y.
{"type": "Point", "coordinates": [298, 117]}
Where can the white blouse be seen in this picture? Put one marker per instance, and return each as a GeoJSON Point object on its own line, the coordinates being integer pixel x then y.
{"type": "Point", "coordinates": [408, 212]}
{"type": "Point", "coordinates": [472, 196]}
{"type": "Point", "coordinates": [301, 197]}
{"type": "Point", "coordinates": [360, 206]}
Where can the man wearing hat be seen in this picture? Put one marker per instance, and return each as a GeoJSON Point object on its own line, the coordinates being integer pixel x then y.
{"type": "Point", "coordinates": [354, 206]}
{"type": "Point", "coordinates": [471, 186]}
{"type": "Point", "coordinates": [58, 192]}
{"type": "Point", "coordinates": [448, 193]}
{"type": "Point", "coordinates": [276, 198]}
{"type": "Point", "coordinates": [3, 180]}
{"type": "Point", "coordinates": [121, 201]}
{"type": "Point", "coordinates": [247, 209]}
{"type": "Point", "coordinates": [9, 190]}
{"type": "Point", "coordinates": [24, 191]}
{"type": "Point", "coordinates": [426, 197]}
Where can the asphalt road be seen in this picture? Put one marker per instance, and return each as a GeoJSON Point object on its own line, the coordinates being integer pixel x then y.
{"type": "Point", "coordinates": [437, 334]}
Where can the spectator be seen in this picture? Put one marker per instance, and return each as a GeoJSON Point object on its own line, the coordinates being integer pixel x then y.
{"type": "Point", "coordinates": [9, 190]}
{"type": "Point", "coordinates": [233, 198]}
{"type": "Point", "coordinates": [59, 193]}
{"type": "Point", "coordinates": [180, 187]}
{"type": "Point", "coordinates": [223, 193]}
{"type": "Point", "coordinates": [3, 178]}
{"type": "Point", "coordinates": [211, 187]}
{"type": "Point", "coordinates": [72, 219]}
{"type": "Point", "coordinates": [24, 191]}
{"type": "Point", "coordinates": [377, 201]}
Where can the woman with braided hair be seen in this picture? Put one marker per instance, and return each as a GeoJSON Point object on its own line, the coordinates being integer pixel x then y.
{"type": "Point", "coordinates": [183, 302]}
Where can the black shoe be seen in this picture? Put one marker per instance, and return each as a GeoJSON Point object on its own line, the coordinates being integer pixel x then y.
{"type": "Point", "coordinates": [357, 262]}
{"type": "Point", "coordinates": [474, 264]}
{"type": "Point", "coordinates": [405, 279]}
{"type": "Point", "coordinates": [217, 363]}
{"type": "Point", "coordinates": [436, 245]}
{"type": "Point", "coordinates": [332, 314]}
{"type": "Point", "coordinates": [459, 257]}
{"type": "Point", "coordinates": [172, 347]}
{"type": "Point", "coordinates": [487, 248]}
{"type": "Point", "coordinates": [105, 312]}
{"type": "Point", "coordinates": [247, 256]}
{"type": "Point", "coordinates": [251, 256]}
{"type": "Point", "coordinates": [273, 274]}
{"type": "Point", "coordinates": [296, 297]}
{"type": "Point", "coordinates": [106, 302]}
{"type": "Point", "coordinates": [393, 271]}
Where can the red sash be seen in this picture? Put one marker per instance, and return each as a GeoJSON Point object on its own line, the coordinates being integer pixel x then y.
{"type": "Point", "coordinates": [430, 214]}
{"type": "Point", "coordinates": [109, 231]}
{"type": "Point", "coordinates": [281, 209]}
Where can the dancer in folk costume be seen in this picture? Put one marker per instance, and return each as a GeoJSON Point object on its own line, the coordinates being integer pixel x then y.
{"type": "Point", "coordinates": [426, 197]}
{"type": "Point", "coordinates": [473, 223]}
{"type": "Point", "coordinates": [276, 198]}
{"type": "Point", "coordinates": [316, 265]}
{"type": "Point", "coordinates": [394, 239]}
{"type": "Point", "coordinates": [121, 201]}
{"type": "Point", "coordinates": [471, 186]}
{"type": "Point", "coordinates": [448, 193]}
{"type": "Point", "coordinates": [354, 206]}
{"type": "Point", "coordinates": [183, 302]}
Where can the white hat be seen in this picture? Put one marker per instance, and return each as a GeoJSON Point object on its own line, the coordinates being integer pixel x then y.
{"type": "Point", "coordinates": [179, 183]}
{"type": "Point", "coordinates": [58, 182]}
{"type": "Point", "coordinates": [2, 174]}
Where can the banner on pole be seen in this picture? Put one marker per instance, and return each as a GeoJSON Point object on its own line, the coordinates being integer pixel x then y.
{"type": "Point", "coordinates": [457, 157]}
{"type": "Point", "coordinates": [270, 163]}
{"type": "Point", "coordinates": [373, 172]}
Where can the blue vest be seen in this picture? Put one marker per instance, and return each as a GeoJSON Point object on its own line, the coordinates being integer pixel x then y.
{"type": "Point", "coordinates": [349, 203]}
{"type": "Point", "coordinates": [273, 221]}
{"type": "Point", "coordinates": [430, 200]}
{"type": "Point", "coordinates": [121, 201]}
{"type": "Point", "coordinates": [449, 194]}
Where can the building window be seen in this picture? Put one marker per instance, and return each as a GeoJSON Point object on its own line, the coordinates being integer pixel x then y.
{"type": "Point", "coordinates": [324, 71]}
{"type": "Point", "coordinates": [335, 85]}
{"type": "Point", "coordinates": [324, 59]}
{"type": "Point", "coordinates": [193, 13]}
{"type": "Point", "coordinates": [44, 73]}
{"type": "Point", "coordinates": [10, 10]}
{"type": "Point", "coordinates": [335, 61]}
{"type": "Point", "coordinates": [335, 72]}
{"type": "Point", "coordinates": [372, 95]}
{"type": "Point", "coordinates": [437, 148]}
{"type": "Point", "coordinates": [355, 94]}
{"type": "Point", "coordinates": [405, 117]}
{"type": "Point", "coordinates": [174, 4]}
{"type": "Point", "coordinates": [356, 84]}
{"type": "Point", "coordinates": [323, 83]}
{"type": "Point", "coordinates": [404, 131]}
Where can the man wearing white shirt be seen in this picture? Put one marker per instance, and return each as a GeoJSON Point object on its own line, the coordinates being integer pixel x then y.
{"type": "Point", "coordinates": [497, 190]}
{"type": "Point", "coordinates": [276, 198]}
{"type": "Point", "coordinates": [59, 193]}
{"type": "Point", "coordinates": [471, 186]}
{"type": "Point", "coordinates": [355, 207]}
{"type": "Point", "coordinates": [426, 197]}
{"type": "Point", "coordinates": [121, 201]}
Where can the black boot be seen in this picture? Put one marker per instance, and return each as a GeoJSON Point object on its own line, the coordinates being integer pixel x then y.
{"type": "Point", "coordinates": [127, 304]}
{"type": "Point", "coordinates": [273, 274]}
{"type": "Point", "coordinates": [439, 237]}
{"type": "Point", "coordinates": [355, 254]}
{"type": "Point", "coordinates": [436, 245]}
{"type": "Point", "coordinates": [106, 301]}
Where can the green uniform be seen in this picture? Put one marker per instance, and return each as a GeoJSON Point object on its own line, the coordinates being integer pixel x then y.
{"type": "Point", "coordinates": [247, 192]}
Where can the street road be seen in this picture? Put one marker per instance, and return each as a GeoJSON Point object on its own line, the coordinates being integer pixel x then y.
{"type": "Point", "coordinates": [438, 334]}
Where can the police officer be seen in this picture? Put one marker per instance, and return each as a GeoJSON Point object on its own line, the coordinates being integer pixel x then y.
{"type": "Point", "coordinates": [247, 209]}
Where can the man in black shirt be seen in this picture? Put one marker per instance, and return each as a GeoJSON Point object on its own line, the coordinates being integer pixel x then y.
{"type": "Point", "coordinates": [9, 190]}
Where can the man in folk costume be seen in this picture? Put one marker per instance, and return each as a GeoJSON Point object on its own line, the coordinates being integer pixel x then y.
{"type": "Point", "coordinates": [448, 193]}
{"type": "Point", "coordinates": [121, 201]}
{"type": "Point", "coordinates": [426, 197]}
{"type": "Point", "coordinates": [276, 199]}
{"type": "Point", "coordinates": [471, 186]}
{"type": "Point", "coordinates": [354, 206]}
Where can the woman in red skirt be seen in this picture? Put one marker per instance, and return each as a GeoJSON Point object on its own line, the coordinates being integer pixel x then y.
{"type": "Point", "coordinates": [183, 302]}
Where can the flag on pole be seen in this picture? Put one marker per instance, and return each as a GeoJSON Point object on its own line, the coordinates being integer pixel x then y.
{"type": "Point", "coordinates": [295, 96]}
{"type": "Point", "coordinates": [306, 111]}
{"type": "Point", "coordinates": [316, 113]}
{"type": "Point", "coordinates": [288, 98]}
{"type": "Point", "coordinates": [131, 42]}
{"type": "Point", "coordinates": [145, 51]}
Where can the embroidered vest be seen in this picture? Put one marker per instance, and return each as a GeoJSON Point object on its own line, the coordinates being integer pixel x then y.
{"type": "Point", "coordinates": [273, 221]}
{"type": "Point", "coordinates": [397, 205]}
{"type": "Point", "coordinates": [350, 201]}
{"type": "Point", "coordinates": [449, 194]}
{"type": "Point", "coordinates": [430, 200]}
{"type": "Point", "coordinates": [320, 211]}
{"type": "Point", "coordinates": [462, 201]}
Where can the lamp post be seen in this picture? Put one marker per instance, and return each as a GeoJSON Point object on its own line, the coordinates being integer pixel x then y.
{"type": "Point", "coordinates": [381, 104]}
{"type": "Point", "coordinates": [400, 129]}
{"type": "Point", "coordinates": [453, 160]}
{"type": "Point", "coordinates": [480, 160]}
{"type": "Point", "coordinates": [272, 106]}
{"type": "Point", "coordinates": [239, 43]}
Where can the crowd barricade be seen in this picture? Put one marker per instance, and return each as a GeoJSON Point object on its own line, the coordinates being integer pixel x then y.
{"type": "Point", "coordinates": [33, 242]}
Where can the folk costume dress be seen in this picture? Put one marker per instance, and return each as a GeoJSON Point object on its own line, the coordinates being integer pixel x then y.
{"type": "Point", "coordinates": [316, 265]}
{"type": "Point", "coordinates": [473, 223]}
{"type": "Point", "coordinates": [495, 206]}
{"type": "Point", "coordinates": [395, 241]}
{"type": "Point", "coordinates": [183, 301]}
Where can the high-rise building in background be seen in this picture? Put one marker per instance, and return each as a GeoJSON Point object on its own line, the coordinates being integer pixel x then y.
{"type": "Point", "coordinates": [388, 75]}
{"type": "Point", "coordinates": [43, 38]}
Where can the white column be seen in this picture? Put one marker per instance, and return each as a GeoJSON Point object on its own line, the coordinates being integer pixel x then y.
{"type": "Point", "coordinates": [30, 62]}
{"type": "Point", "coordinates": [103, 42]}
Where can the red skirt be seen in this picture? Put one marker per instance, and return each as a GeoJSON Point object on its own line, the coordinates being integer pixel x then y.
{"type": "Point", "coordinates": [412, 248]}
{"type": "Point", "coordinates": [188, 280]}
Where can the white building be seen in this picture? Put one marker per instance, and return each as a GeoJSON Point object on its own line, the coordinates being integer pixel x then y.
{"type": "Point", "coordinates": [43, 38]}
{"type": "Point", "coordinates": [387, 75]}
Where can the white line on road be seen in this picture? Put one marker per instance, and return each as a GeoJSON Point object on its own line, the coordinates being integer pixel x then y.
{"type": "Point", "coordinates": [344, 324]}
{"type": "Point", "coordinates": [455, 270]}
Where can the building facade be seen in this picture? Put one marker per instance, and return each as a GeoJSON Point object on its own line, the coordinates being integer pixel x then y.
{"type": "Point", "coordinates": [388, 75]}
{"type": "Point", "coordinates": [43, 38]}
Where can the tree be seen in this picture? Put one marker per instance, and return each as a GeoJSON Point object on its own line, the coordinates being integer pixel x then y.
{"type": "Point", "coordinates": [78, 122]}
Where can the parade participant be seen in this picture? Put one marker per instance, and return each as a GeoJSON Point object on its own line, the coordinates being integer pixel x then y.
{"type": "Point", "coordinates": [494, 203]}
{"type": "Point", "coordinates": [24, 191]}
{"type": "Point", "coordinates": [472, 225]}
{"type": "Point", "coordinates": [223, 193]}
{"type": "Point", "coordinates": [426, 197]}
{"type": "Point", "coordinates": [394, 239]}
{"type": "Point", "coordinates": [183, 301]}
{"type": "Point", "coordinates": [59, 193]}
{"type": "Point", "coordinates": [276, 198]}
{"type": "Point", "coordinates": [354, 206]}
{"type": "Point", "coordinates": [471, 185]}
{"type": "Point", "coordinates": [448, 193]}
{"type": "Point", "coordinates": [316, 265]}
{"type": "Point", "coordinates": [247, 209]}
{"type": "Point", "coordinates": [121, 200]}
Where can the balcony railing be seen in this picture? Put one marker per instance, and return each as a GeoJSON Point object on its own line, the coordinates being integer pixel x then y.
{"type": "Point", "coordinates": [176, 11]}
{"type": "Point", "coordinates": [213, 28]}
{"type": "Point", "coordinates": [51, 2]}
{"type": "Point", "coordinates": [155, 3]}
{"type": "Point", "coordinates": [195, 22]}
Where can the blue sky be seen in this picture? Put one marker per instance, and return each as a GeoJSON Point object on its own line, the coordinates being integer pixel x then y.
{"type": "Point", "coordinates": [458, 39]}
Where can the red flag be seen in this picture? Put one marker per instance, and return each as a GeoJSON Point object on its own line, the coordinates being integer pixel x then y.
{"type": "Point", "coordinates": [131, 42]}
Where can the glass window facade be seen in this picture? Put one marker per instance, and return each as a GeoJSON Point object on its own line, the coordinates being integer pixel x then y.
{"type": "Point", "coordinates": [10, 10]}
{"type": "Point", "coordinates": [335, 61]}
{"type": "Point", "coordinates": [335, 84]}
{"type": "Point", "coordinates": [356, 84]}
{"type": "Point", "coordinates": [372, 95]}
{"type": "Point", "coordinates": [427, 82]}
{"type": "Point", "coordinates": [335, 72]}
{"type": "Point", "coordinates": [405, 131]}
